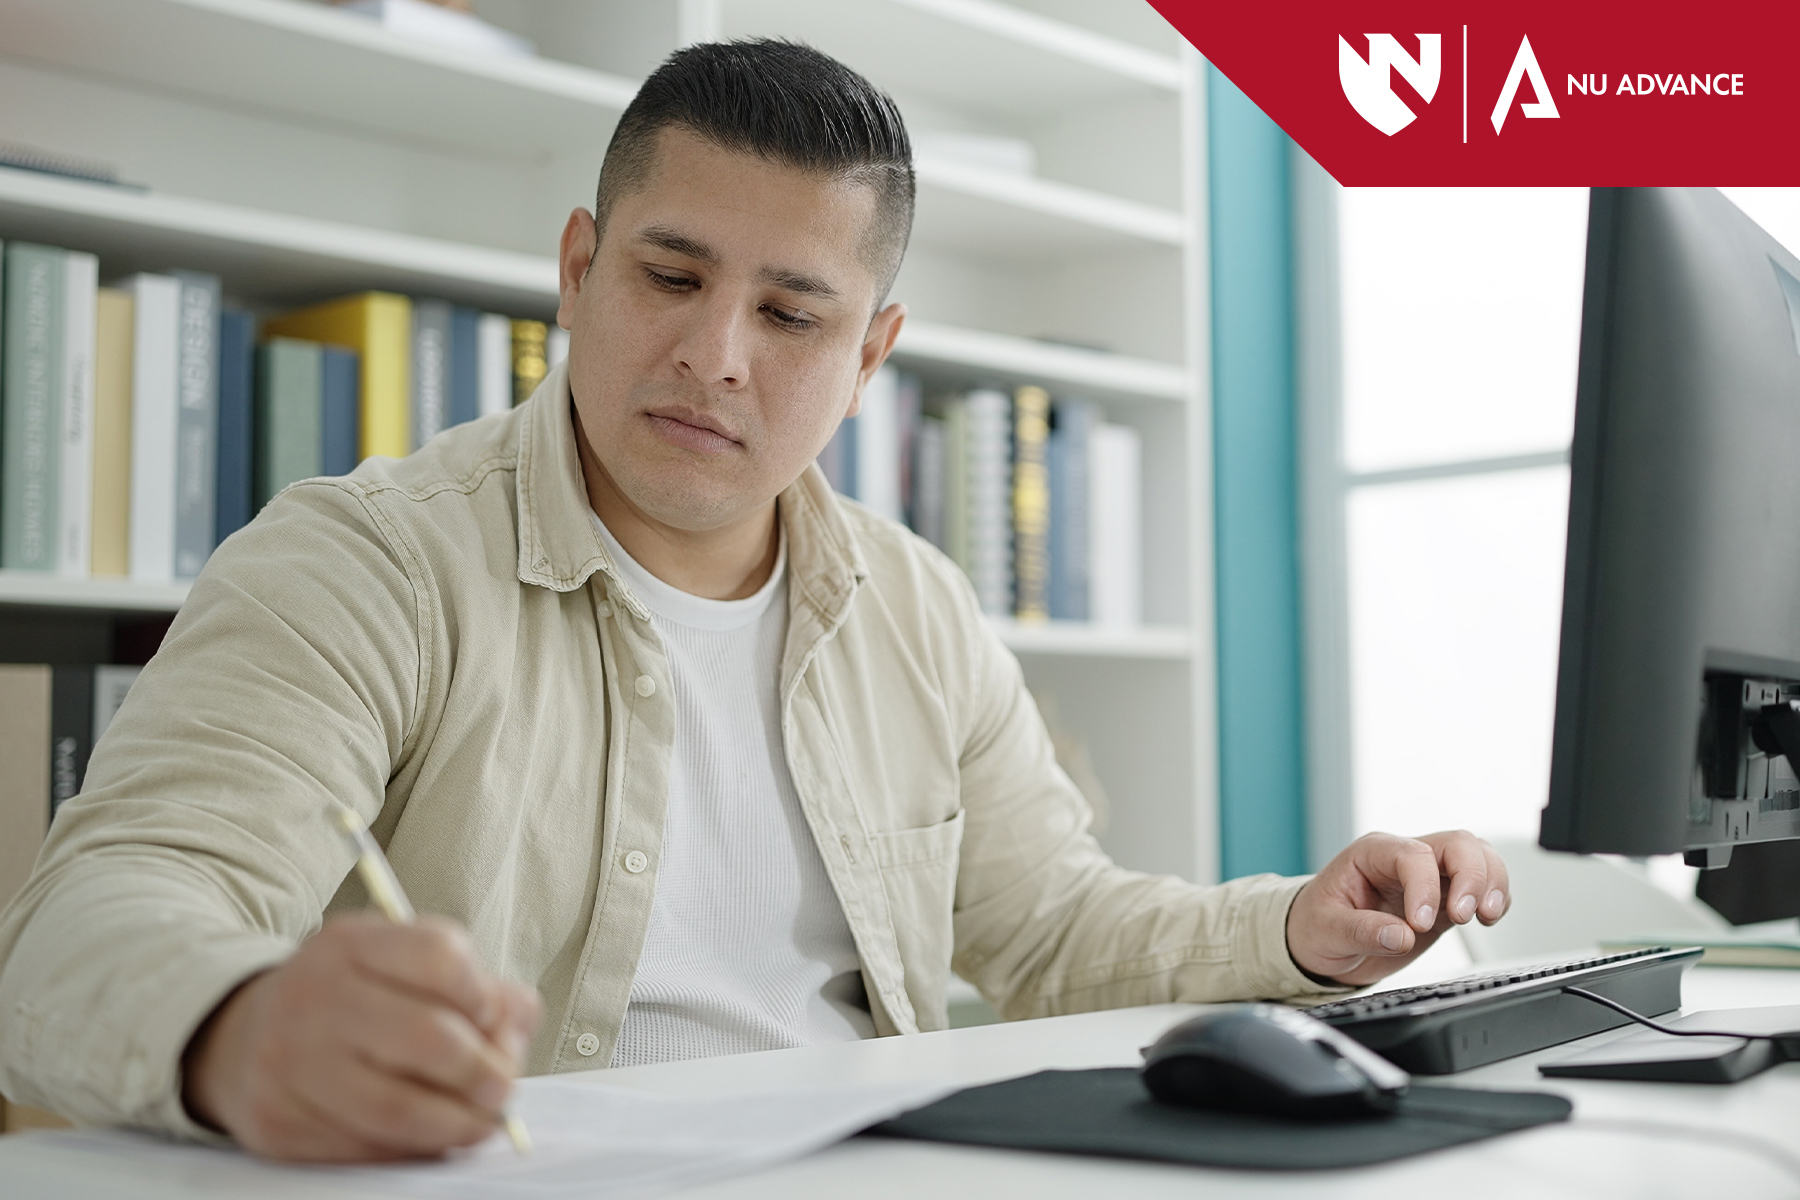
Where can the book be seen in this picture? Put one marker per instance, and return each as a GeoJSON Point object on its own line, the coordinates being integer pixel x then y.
{"type": "Point", "coordinates": [111, 684]}
{"type": "Point", "coordinates": [494, 354]}
{"type": "Point", "coordinates": [156, 304]}
{"type": "Point", "coordinates": [1734, 949]}
{"type": "Point", "coordinates": [556, 345]}
{"type": "Point", "coordinates": [987, 467]}
{"type": "Point", "coordinates": [196, 420]}
{"type": "Point", "coordinates": [908, 409]}
{"type": "Point", "coordinates": [441, 25]}
{"type": "Point", "coordinates": [528, 365]}
{"type": "Point", "coordinates": [289, 414]}
{"type": "Point", "coordinates": [1115, 538]}
{"type": "Point", "coordinates": [1066, 456]}
{"type": "Point", "coordinates": [24, 772]}
{"type": "Point", "coordinates": [956, 481]}
{"type": "Point", "coordinates": [839, 460]}
{"type": "Point", "coordinates": [1031, 504]}
{"type": "Point", "coordinates": [30, 426]}
{"type": "Point", "coordinates": [877, 441]}
{"type": "Point", "coordinates": [465, 365]}
{"type": "Point", "coordinates": [340, 384]}
{"type": "Point", "coordinates": [234, 496]}
{"type": "Point", "coordinates": [110, 541]}
{"type": "Point", "coordinates": [927, 517]}
{"type": "Point", "coordinates": [75, 384]}
{"type": "Point", "coordinates": [378, 327]}
{"type": "Point", "coordinates": [71, 731]}
{"type": "Point", "coordinates": [430, 370]}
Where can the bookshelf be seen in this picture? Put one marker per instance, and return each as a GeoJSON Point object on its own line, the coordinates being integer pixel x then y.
{"type": "Point", "coordinates": [301, 152]}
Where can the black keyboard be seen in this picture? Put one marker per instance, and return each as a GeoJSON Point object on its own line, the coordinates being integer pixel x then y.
{"type": "Point", "coordinates": [1447, 1027]}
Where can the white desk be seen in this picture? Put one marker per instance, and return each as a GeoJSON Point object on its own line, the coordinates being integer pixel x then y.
{"type": "Point", "coordinates": [1572, 1160]}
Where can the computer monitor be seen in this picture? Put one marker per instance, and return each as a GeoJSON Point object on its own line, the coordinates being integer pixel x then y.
{"type": "Point", "coordinates": [1677, 722]}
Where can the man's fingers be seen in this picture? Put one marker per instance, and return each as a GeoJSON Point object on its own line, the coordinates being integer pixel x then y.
{"type": "Point", "coordinates": [1464, 862]}
{"type": "Point", "coordinates": [407, 1036]}
{"type": "Point", "coordinates": [1414, 864]}
{"type": "Point", "coordinates": [1499, 888]}
{"type": "Point", "coordinates": [433, 958]}
{"type": "Point", "coordinates": [396, 1116]}
{"type": "Point", "coordinates": [1377, 933]}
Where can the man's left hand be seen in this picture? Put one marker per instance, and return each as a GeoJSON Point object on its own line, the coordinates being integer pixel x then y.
{"type": "Point", "coordinates": [1385, 899]}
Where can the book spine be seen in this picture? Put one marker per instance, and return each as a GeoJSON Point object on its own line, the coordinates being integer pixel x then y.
{"type": "Point", "coordinates": [494, 348]}
{"type": "Point", "coordinates": [838, 459]}
{"type": "Point", "coordinates": [75, 509]}
{"type": "Point", "coordinates": [989, 467]}
{"type": "Point", "coordinates": [465, 365]}
{"type": "Point", "coordinates": [431, 370]}
{"type": "Point", "coordinates": [111, 684]}
{"type": "Point", "coordinates": [528, 366]}
{"type": "Point", "coordinates": [928, 481]}
{"type": "Point", "coordinates": [111, 542]}
{"type": "Point", "coordinates": [1116, 545]}
{"type": "Point", "coordinates": [878, 445]}
{"type": "Point", "coordinates": [289, 414]}
{"type": "Point", "coordinates": [1068, 454]}
{"type": "Point", "coordinates": [1031, 505]}
{"type": "Point", "coordinates": [956, 481]}
{"type": "Point", "coordinates": [156, 304]}
{"type": "Point", "coordinates": [30, 453]}
{"type": "Point", "coordinates": [25, 699]}
{"type": "Point", "coordinates": [71, 731]}
{"type": "Point", "coordinates": [234, 494]}
{"type": "Point", "coordinates": [908, 409]}
{"type": "Point", "coordinates": [196, 430]}
{"type": "Point", "coordinates": [340, 386]}
{"type": "Point", "coordinates": [556, 346]}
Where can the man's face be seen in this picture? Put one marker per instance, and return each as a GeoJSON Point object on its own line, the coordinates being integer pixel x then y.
{"type": "Point", "coordinates": [721, 332]}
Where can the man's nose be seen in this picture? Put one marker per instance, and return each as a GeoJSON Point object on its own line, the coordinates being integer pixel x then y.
{"type": "Point", "coordinates": [714, 348]}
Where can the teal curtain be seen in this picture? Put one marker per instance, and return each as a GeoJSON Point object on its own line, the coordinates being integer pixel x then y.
{"type": "Point", "coordinates": [1262, 738]}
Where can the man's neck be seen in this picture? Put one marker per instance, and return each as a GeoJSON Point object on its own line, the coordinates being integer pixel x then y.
{"type": "Point", "coordinates": [728, 563]}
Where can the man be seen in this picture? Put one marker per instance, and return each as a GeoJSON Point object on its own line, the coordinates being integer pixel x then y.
{"type": "Point", "coordinates": [664, 732]}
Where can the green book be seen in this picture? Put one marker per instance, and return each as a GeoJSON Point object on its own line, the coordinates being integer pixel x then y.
{"type": "Point", "coordinates": [290, 406]}
{"type": "Point", "coordinates": [31, 423]}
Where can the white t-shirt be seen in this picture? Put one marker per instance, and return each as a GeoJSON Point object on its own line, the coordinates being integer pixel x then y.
{"type": "Point", "coordinates": [748, 948]}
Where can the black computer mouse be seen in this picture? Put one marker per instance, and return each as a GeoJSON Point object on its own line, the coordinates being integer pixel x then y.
{"type": "Point", "coordinates": [1264, 1058]}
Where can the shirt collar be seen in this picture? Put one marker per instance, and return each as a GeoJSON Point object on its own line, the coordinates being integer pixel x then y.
{"type": "Point", "coordinates": [560, 548]}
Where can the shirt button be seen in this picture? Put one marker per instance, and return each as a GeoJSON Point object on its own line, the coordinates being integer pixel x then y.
{"type": "Point", "coordinates": [587, 1045]}
{"type": "Point", "coordinates": [646, 686]}
{"type": "Point", "coordinates": [636, 861]}
{"type": "Point", "coordinates": [604, 608]}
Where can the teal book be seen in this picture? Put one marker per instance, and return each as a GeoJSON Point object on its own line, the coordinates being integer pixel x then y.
{"type": "Point", "coordinates": [30, 411]}
{"type": "Point", "coordinates": [289, 414]}
{"type": "Point", "coordinates": [196, 422]}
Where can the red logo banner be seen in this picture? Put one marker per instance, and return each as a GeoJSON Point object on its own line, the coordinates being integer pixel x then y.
{"type": "Point", "coordinates": [1527, 93]}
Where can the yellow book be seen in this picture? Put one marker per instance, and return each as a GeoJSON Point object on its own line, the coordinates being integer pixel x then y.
{"type": "Point", "coordinates": [1031, 505]}
{"type": "Point", "coordinates": [529, 366]}
{"type": "Point", "coordinates": [378, 326]}
{"type": "Point", "coordinates": [110, 551]}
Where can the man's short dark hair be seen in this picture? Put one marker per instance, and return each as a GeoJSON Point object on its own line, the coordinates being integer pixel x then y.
{"type": "Point", "coordinates": [783, 102]}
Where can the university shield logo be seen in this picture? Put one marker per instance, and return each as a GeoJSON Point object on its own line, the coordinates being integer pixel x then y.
{"type": "Point", "coordinates": [1369, 87]}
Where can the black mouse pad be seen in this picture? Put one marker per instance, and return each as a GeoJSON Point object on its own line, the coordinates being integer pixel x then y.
{"type": "Point", "coordinates": [1107, 1112]}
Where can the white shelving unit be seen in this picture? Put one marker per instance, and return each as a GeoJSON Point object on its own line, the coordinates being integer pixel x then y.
{"type": "Point", "coordinates": [301, 152]}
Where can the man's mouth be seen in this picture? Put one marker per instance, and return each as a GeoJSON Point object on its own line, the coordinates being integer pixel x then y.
{"type": "Point", "coordinates": [692, 429]}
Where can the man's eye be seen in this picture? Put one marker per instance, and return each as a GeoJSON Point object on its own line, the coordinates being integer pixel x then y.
{"type": "Point", "coordinates": [786, 319]}
{"type": "Point", "coordinates": [671, 283]}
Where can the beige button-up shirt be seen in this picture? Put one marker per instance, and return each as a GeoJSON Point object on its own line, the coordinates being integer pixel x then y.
{"type": "Point", "coordinates": [443, 643]}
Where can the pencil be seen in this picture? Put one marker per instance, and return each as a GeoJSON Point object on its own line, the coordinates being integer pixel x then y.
{"type": "Point", "coordinates": [384, 888]}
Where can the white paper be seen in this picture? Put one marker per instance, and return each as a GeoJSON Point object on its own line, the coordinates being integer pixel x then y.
{"type": "Point", "coordinates": [590, 1140]}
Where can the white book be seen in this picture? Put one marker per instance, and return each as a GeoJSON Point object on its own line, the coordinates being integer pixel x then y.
{"type": "Point", "coordinates": [878, 445]}
{"type": "Point", "coordinates": [75, 514]}
{"type": "Point", "coordinates": [493, 358]}
{"type": "Point", "coordinates": [556, 345]}
{"type": "Point", "coordinates": [444, 26]}
{"type": "Point", "coordinates": [1116, 538]}
{"type": "Point", "coordinates": [110, 685]}
{"type": "Point", "coordinates": [154, 416]}
{"type": "Point", "coordinates": [988, 463]}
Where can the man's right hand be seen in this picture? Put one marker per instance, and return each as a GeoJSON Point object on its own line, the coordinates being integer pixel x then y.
{"type": "Point", "coordinates": [374, 1041]}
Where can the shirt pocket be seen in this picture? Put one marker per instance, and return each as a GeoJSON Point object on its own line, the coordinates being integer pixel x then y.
{"type": "Point", "coordinates": [918, 871]}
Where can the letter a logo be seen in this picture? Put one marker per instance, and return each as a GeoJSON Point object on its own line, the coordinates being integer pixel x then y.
{"type": "Point", "coordinates": [1525, 63]}
{"type": "Point", "coordinates": [1366, 84]}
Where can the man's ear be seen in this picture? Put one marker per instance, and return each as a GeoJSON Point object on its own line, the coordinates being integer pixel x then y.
{"type": "Point", "coordinates": [577, 252]}
{"type": "Point", "coordinates": [878, 343]}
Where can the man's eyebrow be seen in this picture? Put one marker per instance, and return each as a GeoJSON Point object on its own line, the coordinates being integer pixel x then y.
{"type": "Point", "coordinates": [664, 238]}
{"type": "Point", "coordinates": [797, 281]}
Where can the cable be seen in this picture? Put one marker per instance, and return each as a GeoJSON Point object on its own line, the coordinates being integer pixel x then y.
{"type": "Point", "coordinates": [1668, 1029]}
